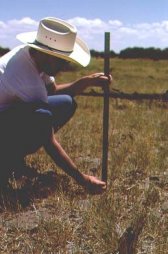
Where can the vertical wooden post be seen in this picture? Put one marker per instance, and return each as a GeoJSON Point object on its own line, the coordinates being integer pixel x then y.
{"type": "Point", "coordinates": [106, 108]}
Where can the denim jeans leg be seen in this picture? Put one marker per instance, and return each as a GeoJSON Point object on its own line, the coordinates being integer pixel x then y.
{"type": "Point", "coordinates": [63, 108]}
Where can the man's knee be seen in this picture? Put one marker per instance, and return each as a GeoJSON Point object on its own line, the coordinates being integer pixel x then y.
{"type": "Point", "coordinates": [69, 104]}
{"type": "Point", "coordinates": [72, 105]}
{"type": "Point", "coordinates": [63, 108]}
{"type": "Point", "coordinates": [62, 105]}
{"type": "Point", "coordinates": [69, 107]}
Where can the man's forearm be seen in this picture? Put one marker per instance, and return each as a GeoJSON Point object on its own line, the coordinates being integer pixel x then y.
{"type": "Point", "coordinates": [73, 89]}
{"type": "Point", "coordinates": [57, 153]}
{"type": "Point", "coordinates": [60, 157]}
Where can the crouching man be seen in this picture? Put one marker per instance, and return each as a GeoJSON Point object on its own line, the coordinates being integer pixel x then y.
{"type": "Point", "coordinates": [33, 107]}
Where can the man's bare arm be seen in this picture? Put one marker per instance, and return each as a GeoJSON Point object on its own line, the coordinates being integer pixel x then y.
{"type": "Point", "coordinates": [60, 157]}
{"type": "Point", "coordinates": [78, 86]}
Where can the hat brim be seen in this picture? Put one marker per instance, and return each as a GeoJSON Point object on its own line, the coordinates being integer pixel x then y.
{"type": "Point", "coordinates": [80, 53]}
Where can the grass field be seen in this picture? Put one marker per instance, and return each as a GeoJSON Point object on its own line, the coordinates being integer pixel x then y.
{"type": "Point", "coordinates": [59, 217]}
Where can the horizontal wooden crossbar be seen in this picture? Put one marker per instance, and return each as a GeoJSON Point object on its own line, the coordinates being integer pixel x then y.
{"type": "Point", "coordinates": [130, 96]}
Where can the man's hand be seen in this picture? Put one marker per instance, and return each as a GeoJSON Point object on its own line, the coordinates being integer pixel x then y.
{"type": "Point", "coordinates": [93, 185]}
{"type": "Point", "coordinates": [98, 79]}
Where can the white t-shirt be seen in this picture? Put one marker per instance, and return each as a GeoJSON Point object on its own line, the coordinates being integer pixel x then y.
{"type": "Point", "coordinates": [20, 79]}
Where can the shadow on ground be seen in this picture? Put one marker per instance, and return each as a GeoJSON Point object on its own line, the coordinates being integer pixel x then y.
{"type": "Point", "coordinates": [24, 189]}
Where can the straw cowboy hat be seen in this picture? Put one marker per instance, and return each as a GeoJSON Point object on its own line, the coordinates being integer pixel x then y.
{"type": "Point", "coordinates": [58, 38]}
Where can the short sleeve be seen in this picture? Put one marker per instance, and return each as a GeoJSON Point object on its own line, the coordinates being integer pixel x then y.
{"type": "Point", "coordinates": [47, 79]}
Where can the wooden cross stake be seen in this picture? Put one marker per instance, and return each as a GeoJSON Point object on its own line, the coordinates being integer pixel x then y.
{"type": "Point", "coordinates": [106, 108]}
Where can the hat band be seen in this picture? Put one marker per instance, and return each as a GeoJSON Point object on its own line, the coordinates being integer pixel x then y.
{"type": "Point", "coordinates": [50, 48]}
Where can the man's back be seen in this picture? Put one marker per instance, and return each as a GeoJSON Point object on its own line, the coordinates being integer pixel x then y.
{"type": "Point", "coordinates": [19, 78]}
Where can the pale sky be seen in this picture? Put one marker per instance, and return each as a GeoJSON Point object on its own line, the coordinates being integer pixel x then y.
{"type": "Point", "coordinates": [141, 23]}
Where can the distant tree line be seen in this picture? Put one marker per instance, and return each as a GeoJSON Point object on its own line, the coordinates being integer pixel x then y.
{"type": "Point", "coordinates": [100, 54]}
{"type": "Point", "coordinates": [136, 52]}
{"type": "Point", "coordinates": [150, 53]}
{"type": "Point", "coordinates": [3, 51]}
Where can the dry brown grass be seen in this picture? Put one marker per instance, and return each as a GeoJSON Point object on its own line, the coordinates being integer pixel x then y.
{"type": "Point", "coordinates": [57, 216]}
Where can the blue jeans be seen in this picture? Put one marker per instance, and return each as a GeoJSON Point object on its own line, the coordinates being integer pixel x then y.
{"type": "Point", "coordinates": [25, 127]}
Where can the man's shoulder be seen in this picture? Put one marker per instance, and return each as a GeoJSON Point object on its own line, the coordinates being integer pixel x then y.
{"type": "Point", "coordinates": [14, 53]}
{"type": "Point", "coordinates": [21, 58]}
